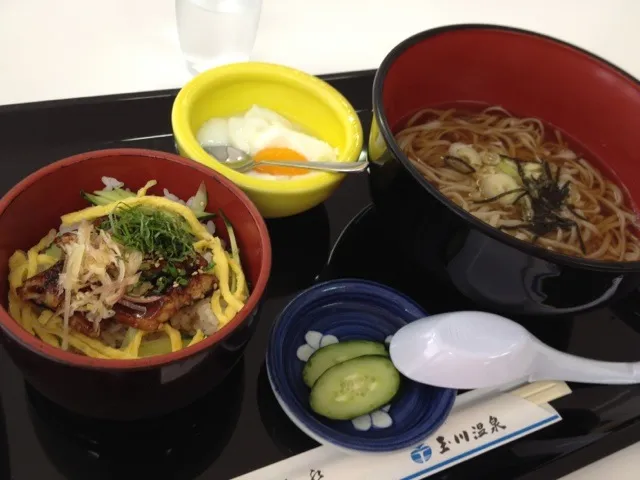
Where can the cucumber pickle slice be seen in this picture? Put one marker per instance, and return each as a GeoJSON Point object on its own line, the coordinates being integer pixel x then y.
{"type": "Point", "coordinates": [355, 387]}
{"type": "Point", "coordinates": [326, 357]}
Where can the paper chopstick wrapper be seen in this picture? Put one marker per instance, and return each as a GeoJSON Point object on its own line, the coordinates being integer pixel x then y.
{"type": "Point", "coordinates": [481, 421]}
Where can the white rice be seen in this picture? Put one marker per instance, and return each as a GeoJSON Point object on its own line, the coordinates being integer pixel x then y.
{"type": "Point", "coordinates": [68, 228]}
{"type": "Point", "coordinates": [171, 196]}
{"type": "Point", "coordinates": [196, 316]}
{"type": "Point", "coordinates": [210, 226]}
{"type": "Point", "coordinates": [111, 183]}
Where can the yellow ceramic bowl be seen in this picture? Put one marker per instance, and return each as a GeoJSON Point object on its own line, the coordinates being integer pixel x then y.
{"type": "Point", "coordinates": [302, 98]}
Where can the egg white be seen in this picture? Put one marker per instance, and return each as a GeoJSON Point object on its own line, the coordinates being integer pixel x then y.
{"type": "Point", "coordinates": [261, 128]}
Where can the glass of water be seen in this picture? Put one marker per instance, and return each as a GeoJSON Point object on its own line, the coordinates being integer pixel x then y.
{"type": "Point", "coordinates": [217, 32]}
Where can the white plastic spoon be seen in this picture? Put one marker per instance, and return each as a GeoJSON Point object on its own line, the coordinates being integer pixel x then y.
{"type": "Point", "coordinates": [466, 350]}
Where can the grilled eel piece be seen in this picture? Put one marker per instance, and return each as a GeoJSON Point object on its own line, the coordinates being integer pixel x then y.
{"type": "Point", "coordinates": [168, 305]}
{"type": "Point", "coordinates": [43, 290]}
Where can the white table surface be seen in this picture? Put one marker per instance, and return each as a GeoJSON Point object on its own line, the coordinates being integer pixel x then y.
{"type": "Point", "coordinates": [54, 49]}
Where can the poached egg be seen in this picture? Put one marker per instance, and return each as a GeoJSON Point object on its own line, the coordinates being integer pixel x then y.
{"type": "Point", "coordinates": [266, 135]}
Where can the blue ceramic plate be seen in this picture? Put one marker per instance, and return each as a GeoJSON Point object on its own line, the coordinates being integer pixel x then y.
{"type": "Point", "coordinates": [342, 310]}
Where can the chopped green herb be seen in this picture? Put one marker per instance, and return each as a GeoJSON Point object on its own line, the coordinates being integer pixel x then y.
{"type": "Point", "coordinates": [161, 284]}
{"type": "Point", "coordinates": [171, 270]}
{"type": "Point", "coordinates": [153, 232]}
{"type": "Point", "coordinates": [140, 289]}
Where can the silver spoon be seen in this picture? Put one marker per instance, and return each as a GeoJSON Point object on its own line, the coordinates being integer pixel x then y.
{"type": "Point", "coordinates": [243, 162]}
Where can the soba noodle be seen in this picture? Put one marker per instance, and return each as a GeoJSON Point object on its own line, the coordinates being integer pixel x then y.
{"type": "Point", "coordinates": [504, 171]}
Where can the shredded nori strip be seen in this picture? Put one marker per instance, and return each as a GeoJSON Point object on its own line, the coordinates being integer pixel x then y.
{"type": "Point", "coordinates": [458, 164]}
{"type": "Point", "coordinates": [520, 197]}
{"type": "Point", "coordinates": [575, 213]}
{"type": "Point", "coordinates": [548, 198]}
{"type": "Point", "coordinates": [503, 194]}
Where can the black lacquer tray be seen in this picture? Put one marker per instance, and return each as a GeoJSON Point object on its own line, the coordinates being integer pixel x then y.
{"type": "Point", "coordinates": [239, 426]}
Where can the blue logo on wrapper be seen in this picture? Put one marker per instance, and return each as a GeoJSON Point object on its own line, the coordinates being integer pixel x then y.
{"type": "Point", "coordinates": [421, 454]}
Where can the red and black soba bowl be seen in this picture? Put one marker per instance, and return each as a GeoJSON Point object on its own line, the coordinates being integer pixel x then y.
{"type": "Point", "coordinates": [530, 75]}
{"type": "Point", "coordinates": [149, 386]}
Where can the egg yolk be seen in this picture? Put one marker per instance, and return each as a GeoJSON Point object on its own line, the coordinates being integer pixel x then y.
{"type": "Point", "coordinates": [279, 154]}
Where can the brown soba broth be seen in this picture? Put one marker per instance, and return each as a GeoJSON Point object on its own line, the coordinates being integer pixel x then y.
{"type": "Point", "coordinates": [513, 175]}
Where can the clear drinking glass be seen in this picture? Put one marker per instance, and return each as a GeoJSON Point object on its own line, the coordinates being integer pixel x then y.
{"type": "Point", "coordinates": [216, 32]}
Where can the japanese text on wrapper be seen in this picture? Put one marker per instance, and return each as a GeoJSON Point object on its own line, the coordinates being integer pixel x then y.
{"type": "Point", "coordinates": [314, 474]}
{"type": "Point", "coordinates": [476, 432]}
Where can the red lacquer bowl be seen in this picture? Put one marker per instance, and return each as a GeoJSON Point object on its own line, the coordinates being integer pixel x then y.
{"type": "Point", "coordinates": [596, 104]}
{"type": "Point", "coordinates": [127, 389]}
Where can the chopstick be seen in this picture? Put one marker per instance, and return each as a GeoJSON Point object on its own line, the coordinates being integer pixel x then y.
{"type": "Point", "coordinates": [542, 392]}
{"type": "Point", "coordinates": [538, 393]}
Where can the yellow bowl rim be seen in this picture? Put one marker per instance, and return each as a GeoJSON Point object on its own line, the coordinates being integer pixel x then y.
{"type": "Point", "coordinates": [311, 84]}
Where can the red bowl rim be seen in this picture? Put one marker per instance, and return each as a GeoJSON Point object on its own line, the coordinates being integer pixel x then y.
{"type": "Point", "coordinates": [19, 334]}
{"type": "Point", "coordinates": [385, 130]}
